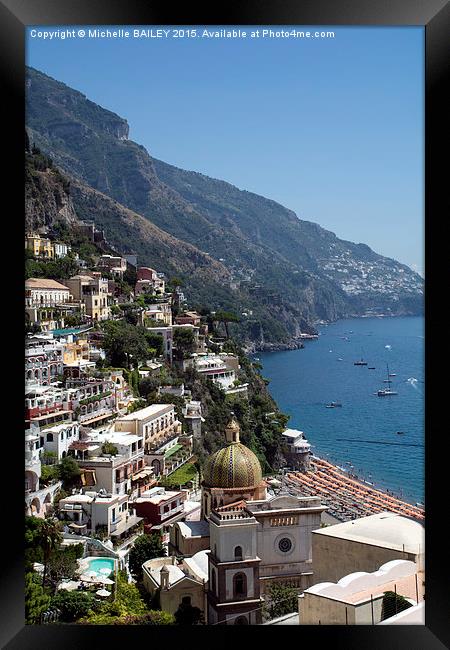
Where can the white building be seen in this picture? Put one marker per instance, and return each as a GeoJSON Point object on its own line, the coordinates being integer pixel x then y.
{"type": "Point", "coordinates": [113, 473]}
{"type": "Point", "coordinates": [61, 249]}
{"type": "Point", "coordinates": [41, 292]}
{"type": "Point", "coordinates": [219, 369]}
{"type": "Point", "coordinates": [297, 449]}
{"type": "Point", "coordinates": [357, 599]}
{"type": "Point", "coordinates": [90, 511]}
{"type": "Point", "coordinates": [157, 423]}
{"type": "Point", "coordinates": [58, 438]}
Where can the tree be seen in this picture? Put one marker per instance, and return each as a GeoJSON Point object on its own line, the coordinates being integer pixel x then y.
{"type": "Point", "coordinates": [153, 617]}
{"type": "Point", "coordinates": [154, 342]}
{"type": "Point", "coordinates": [125, 344]}
{"type": "Point", "coordinates": [63, 563]}
{"type": "Point", "coordinates": [69, 471]}
{"type": "Point", "coordinates": [281, 600]}
{"type": "Point", "coordinates": [48, 537]}
{"type": "Point", "coordinates": [146, 547]}
{"type": "Point", "coordinates": [73, 604]}
{"type": "Point", "coordinates": [184, 340]}
{"type": "Point", "coordinates": [226, 317]}
{"type": "Point", "coordinates": [37, 600]}
{"type": "Point", "coordinates": [393, 604]}
{"type": "Point", "coordinates": [186, 614]}
{"type": "Point", "coordinates": [48, 474]}
{"type": "Point", "coordinates": [127, 603]}
{"type": "Point", "coordinates": [109, 449]}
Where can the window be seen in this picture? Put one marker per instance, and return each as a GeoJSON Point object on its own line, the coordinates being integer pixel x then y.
{"type": "Point", "coordinates": [241, 620]}
{"type": "Point", "coordinates": [238, 553]}
{"type": "Point", "coordinates": [49, 437]}
{"type": "Point", "coordinates": [285, 545]}
{"type": "Point", "coordinates": [186, 600]}
{"type": "Point", "coordinates": [213, 581]}
{"type": "Point", "coordinates": [240, 585]}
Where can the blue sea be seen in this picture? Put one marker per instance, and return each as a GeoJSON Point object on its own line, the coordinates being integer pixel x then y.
{"type": "Point", "coordinates": [363, 433]}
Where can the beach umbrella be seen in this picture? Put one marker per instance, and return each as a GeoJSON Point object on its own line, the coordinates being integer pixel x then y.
{"type": "Point", "coordinates": [106, 581]}
{"type": "Point", "coordinates": [88, 578]}
{"type": "Point", "coordinates": [103, 593]}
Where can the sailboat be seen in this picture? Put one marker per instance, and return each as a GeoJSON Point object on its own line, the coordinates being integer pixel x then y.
{"type": "Point", "coordinates": [361, 362]}
{"type": "Point", "coordinates": [385, 392]}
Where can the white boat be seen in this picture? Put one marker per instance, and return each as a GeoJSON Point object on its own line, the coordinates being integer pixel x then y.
{"type": "Point", "coordinates": [386, 392]}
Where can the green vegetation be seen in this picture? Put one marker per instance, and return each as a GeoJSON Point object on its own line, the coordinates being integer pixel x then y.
{"type": "Point", "coordinates": [281, 600]}
{"type": "Point", "coordinates": [109, 449]}
{"type": "Point", "coordinates": [69, 472]}
{"type": "Point", "coordinates": [127, 608]}
{"type": "Point", "coordinates": [73, 604]}
{"type": "Point", "coordinates": [63, 563]}
{"type": "Point", "coordinates": [186, 614]}
{"type": "Point", "coordinates": [180, 476]}
{"type": "Point", "coordinates": [42, 538]}
{"type": "Point", "coordinates": [393, 604]}
{"type": "Point", "coordinates": [125, 345]}
{"type": "Point", "coordinates": [37, 600]}
{"type": "Point", "coordinates": [145, 547]}
{"type": "Point", "coordinates": [59, 269]}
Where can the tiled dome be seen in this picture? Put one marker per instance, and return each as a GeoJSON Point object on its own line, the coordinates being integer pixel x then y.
{"type": "Point", "coordinates": [234, 466]}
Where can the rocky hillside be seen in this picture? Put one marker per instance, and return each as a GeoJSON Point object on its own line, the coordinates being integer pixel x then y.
{"type": "Point", "coordinates": [47, 198]}
{"type": "Point", "coordinates": [273, 265]}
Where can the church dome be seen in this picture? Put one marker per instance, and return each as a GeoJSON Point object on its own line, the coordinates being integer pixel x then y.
{"type": "Point", "coordinates": [233, 466]}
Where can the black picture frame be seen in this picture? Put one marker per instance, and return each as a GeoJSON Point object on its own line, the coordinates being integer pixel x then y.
{"type": "Point", "coordinates": [15, 15]}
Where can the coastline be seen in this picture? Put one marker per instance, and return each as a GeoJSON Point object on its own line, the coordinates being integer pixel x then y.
{"type": "Point", "coordinates": [348, 496]}
{"type": "Point", "coordinates": [396, 488]}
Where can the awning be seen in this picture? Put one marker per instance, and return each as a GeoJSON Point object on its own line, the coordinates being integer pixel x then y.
{"type": "Point", "coordinates": [148, 471]}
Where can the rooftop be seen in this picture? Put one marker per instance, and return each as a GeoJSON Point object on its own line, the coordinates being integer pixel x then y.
{"type": "Point", "coordinates": [194, 528]}
{"type": "Point", "coordinates": [44, 283]}
{"type": "Point", "coordinates": [292, 433]}
{"type": "Point", "coordinates": [147, 412]}
{"type": "Point", "coordinates": [385, 529]}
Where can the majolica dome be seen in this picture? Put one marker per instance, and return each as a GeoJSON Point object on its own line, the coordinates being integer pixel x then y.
{"type": "Point", "coordinates": [234, 466]}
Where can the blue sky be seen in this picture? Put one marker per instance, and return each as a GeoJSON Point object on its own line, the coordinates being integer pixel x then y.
{"type": "Point", "coordinates": [331, 128]}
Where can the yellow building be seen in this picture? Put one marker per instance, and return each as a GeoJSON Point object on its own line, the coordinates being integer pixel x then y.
{"type": "Point", "coordinates": [76, 351]}
{"type": "Point", "coordinates": [39, 246]}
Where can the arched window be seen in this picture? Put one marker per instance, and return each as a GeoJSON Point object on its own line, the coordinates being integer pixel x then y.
{"type": "Point", "coordinates": [186, 600]}
{"type": "Point", "coordinates": [49, 437]}
{"type": "Point", "coordinates": [240, 585]}
{"type": "Point", "coordinates": [241, 620]}
{"type": "Point", "coordinates": [238, 553]}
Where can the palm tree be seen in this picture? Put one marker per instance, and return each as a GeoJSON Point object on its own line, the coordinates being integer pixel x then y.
{"type": "Point", "coordinates": [49, 538]}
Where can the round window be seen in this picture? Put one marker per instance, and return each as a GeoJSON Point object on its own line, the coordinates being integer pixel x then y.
{"type": "Point", "coordinates": [285, 544]}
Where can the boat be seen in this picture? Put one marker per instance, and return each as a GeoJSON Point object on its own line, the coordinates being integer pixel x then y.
{"type": "Point", "coordinates": [371, 368]}
{"type": "Point", "coordinates": [333, 405]}
{"type": "Point", "coordinates": [400, 433]}
{"type": "Point", "coordinates": [340, 359]}
{"type": "Point", "coordinates": [361, 362]}
{"type": "Point", "coordinates": [392, 374]}
{"type": "Point", "coordinates": [386, 392]}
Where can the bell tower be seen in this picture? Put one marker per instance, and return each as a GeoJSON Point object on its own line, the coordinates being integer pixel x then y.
{"type": "Point", "coordinates": [233, 568]}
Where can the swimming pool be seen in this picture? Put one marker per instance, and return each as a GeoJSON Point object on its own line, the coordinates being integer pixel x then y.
{"type": "Point", "coordinates": [97, 564]}
{"type": "Point", "coordinates": [101, 563]}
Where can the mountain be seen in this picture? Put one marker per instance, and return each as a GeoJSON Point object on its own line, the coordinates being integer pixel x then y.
{"type": "Point", "coordinates": [283, 272]}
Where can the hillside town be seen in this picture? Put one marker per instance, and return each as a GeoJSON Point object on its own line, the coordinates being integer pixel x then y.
{"type": "Point", "coordinates": [163, 486]}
